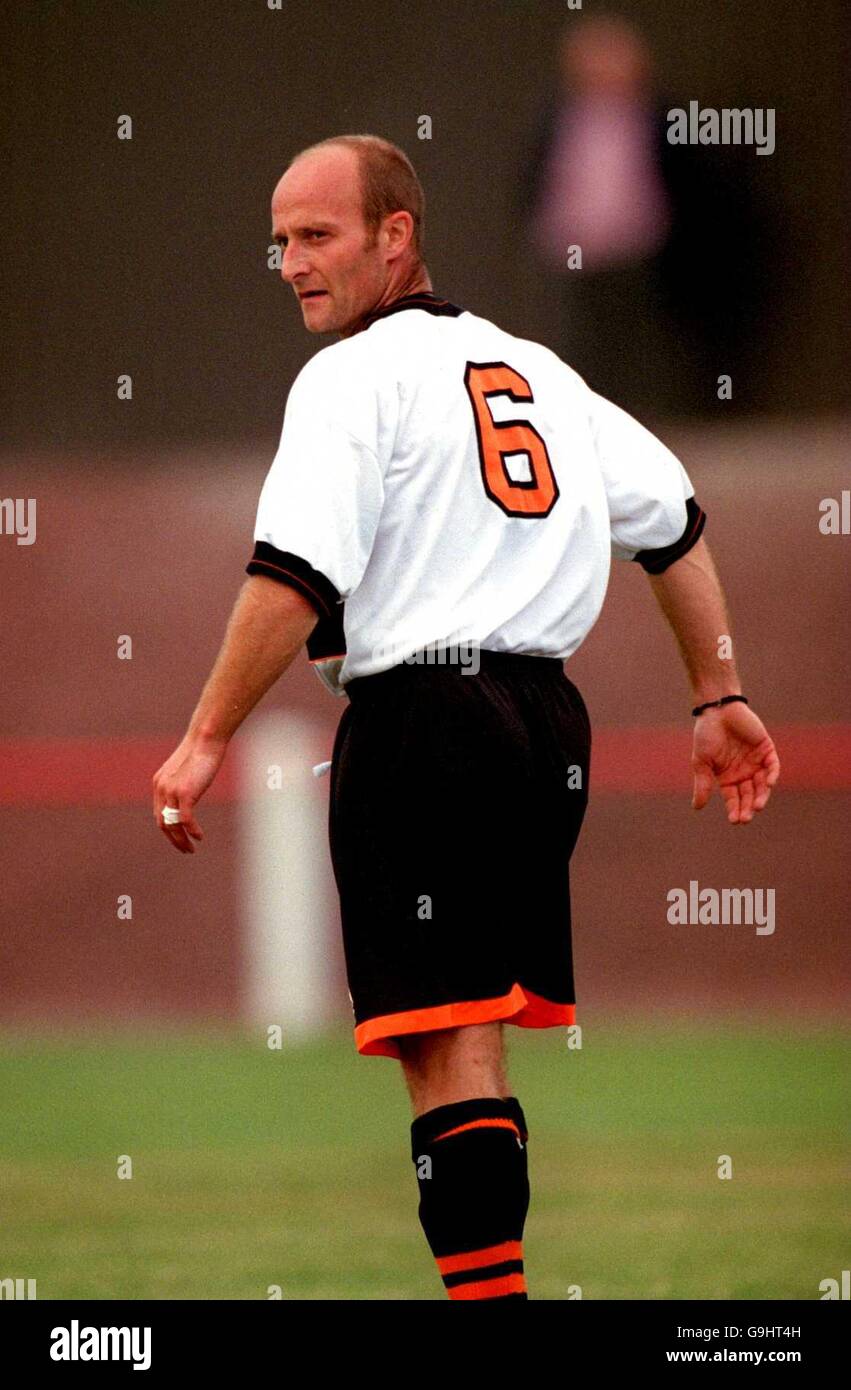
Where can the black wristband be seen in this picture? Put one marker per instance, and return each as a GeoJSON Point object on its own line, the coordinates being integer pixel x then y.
{"type": "Point", "coordinates": [712, 704]}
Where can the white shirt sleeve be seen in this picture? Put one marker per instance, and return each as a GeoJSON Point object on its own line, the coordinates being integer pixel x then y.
{"type": "Point", "coordinates": [646, 485]}
{"type": "Point", "coordinates": [322, 497]}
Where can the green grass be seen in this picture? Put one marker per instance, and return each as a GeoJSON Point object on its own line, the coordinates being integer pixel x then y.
{"type": "Point", "coordinates": [253, 1167]}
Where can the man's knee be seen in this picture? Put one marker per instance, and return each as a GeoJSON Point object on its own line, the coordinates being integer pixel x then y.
{"type": "Point", "coordinates": [452, 1064]}
{"type": "Point", "coordinates": [480, 1043]}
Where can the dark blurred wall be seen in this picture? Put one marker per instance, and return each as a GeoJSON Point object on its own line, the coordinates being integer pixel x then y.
{"type": "Point", "coordinates": [148, 256]}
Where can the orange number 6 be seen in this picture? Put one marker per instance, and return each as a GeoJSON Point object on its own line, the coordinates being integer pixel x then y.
{"type": "Point", "coordinates": [539, 493]}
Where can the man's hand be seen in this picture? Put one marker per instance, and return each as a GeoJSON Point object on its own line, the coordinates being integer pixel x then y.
{"type": "Point", "coordinates": [181, 782]}
{"type": "Point", "coordinates": [269, 625]}
{"type": "Point", "coordinates": [732, 747]}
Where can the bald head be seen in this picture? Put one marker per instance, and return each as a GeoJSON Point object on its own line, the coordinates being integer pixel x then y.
{"type": "Point", "coordinates": [343, 255]}
{"type": "Point", "coordinates": [328, 177]}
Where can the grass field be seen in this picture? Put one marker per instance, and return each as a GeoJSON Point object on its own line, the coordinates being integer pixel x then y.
{"type": "Point", "coordinates": [253, 1168]}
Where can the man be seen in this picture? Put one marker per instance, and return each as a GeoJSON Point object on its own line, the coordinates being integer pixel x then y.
{"type": "Point", "coordinates": [456, 489]}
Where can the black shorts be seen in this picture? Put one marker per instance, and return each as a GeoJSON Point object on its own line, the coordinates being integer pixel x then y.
{"type": "Point", "coordinates": [455, 804]}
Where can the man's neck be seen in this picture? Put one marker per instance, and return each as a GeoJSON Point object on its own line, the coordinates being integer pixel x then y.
{"type": "Point", "coordinates": [415, 282]}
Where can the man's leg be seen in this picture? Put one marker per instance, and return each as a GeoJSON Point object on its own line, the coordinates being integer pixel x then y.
{"type": "Point", "coordinates": [468, 1144]}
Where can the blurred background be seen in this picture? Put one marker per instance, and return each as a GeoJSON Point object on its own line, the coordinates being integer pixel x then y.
{"type": "Point", "coordinates": [136, 985]}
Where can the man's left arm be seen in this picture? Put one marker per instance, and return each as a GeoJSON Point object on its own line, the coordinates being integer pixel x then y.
{"type": "Point", "coordinates": [731, 744]}
{"type": "Point", "coordinates": [656, 520]}
{"type": "Point", "coordinates": [268, 627]}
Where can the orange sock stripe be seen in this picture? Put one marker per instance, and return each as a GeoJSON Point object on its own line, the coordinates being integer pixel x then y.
{"type": "Point", "coordinates": [490, 1288]}
{"type": "Point", "coordinates": [477, 1259]}
{"type": "Point", "coordinates": [480, 1124]}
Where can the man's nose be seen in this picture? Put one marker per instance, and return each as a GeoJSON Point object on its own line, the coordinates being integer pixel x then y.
{"type": "Point", "coordinates": [293, 263]}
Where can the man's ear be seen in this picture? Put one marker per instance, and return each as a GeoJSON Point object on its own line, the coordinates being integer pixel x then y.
{"type": "Point", "coordinates": [399, 229]}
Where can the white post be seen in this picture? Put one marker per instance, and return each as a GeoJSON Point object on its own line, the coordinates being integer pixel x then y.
{"type": "Point", "coordinates": [288, 896]}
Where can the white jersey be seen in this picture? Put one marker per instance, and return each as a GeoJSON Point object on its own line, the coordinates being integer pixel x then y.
{"type": "Point", "coordinates": [440, 483]}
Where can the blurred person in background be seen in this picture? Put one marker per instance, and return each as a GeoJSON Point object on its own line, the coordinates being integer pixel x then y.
{"type": "Point", "coordinates": [671, 289]}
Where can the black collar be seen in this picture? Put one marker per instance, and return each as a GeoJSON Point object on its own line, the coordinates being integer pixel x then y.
{"type": "Point", "coordinates": [422, 299]}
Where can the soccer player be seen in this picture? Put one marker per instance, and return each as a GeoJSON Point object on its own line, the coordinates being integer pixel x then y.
{"type": "Point", "coordinates": [437, 526]}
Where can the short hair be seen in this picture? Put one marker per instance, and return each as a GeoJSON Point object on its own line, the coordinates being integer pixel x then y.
{"type": "Point", "coordinates": [388, 182]}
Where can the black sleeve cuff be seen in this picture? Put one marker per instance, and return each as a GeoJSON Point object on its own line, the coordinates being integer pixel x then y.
{"type": "Point", "coordinates": [657, 561]}
{"type": "Point", "coordinates": [293, 570]}
{"type": "Point", "coordinates": [328, 638]}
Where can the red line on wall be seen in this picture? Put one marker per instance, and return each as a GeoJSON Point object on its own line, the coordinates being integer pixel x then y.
{"type": "Point", "coordinates": [112, 772]}
{"type": "Point", "coordinates": [92, 771]}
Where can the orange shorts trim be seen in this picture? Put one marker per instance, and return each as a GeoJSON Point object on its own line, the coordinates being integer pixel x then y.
{"type": "Point", "coordinates": [376, 1037]}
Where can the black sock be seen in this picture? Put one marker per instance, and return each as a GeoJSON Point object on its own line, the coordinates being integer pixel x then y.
{"type": "Point", "coordinates": [474, 1194]}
